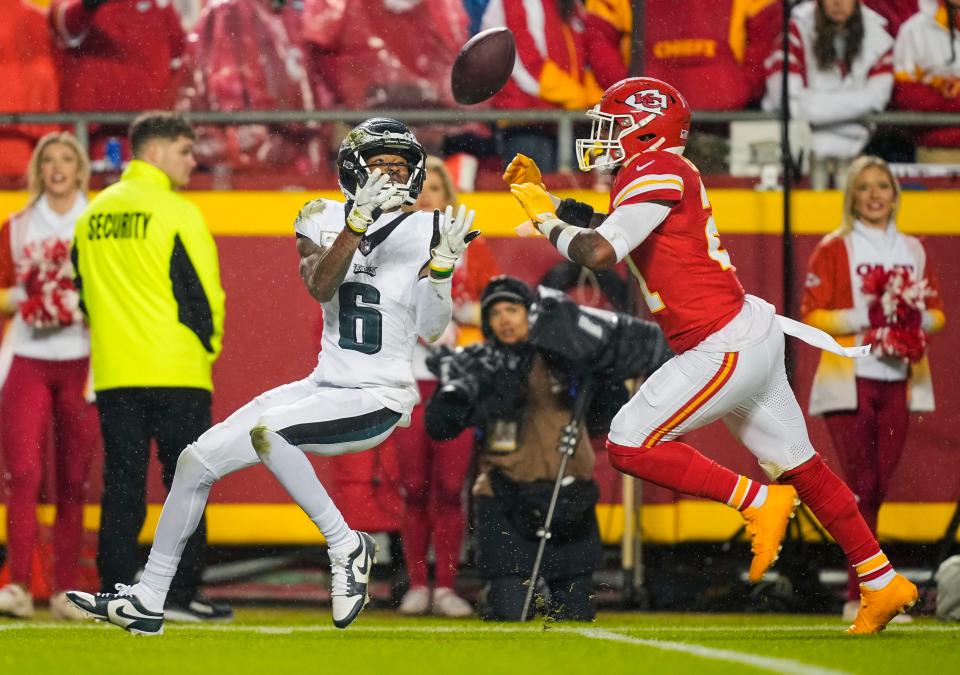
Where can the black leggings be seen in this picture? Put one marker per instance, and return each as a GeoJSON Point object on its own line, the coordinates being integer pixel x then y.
{"type": "Point", "coordinates": [130, 418]}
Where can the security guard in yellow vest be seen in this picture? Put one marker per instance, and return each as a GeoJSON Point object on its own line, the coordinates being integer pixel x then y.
{"type": "Point", "coordinates": [146, 267]}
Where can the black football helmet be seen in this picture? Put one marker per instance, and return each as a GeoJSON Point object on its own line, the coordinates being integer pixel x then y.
{"type": "Point", "coordinates": [378, 136]}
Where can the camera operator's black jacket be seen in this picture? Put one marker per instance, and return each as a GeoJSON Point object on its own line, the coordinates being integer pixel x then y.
{"type": "Point", "coordinates": [486, 382]}
{"type": "Point", "coordinates": [520, 398]}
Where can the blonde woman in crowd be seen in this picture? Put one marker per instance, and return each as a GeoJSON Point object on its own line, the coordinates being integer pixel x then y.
{"type": "Point", "coordinates": [47, 377]}
{"type": "Point", "coordinates": [866, 402]}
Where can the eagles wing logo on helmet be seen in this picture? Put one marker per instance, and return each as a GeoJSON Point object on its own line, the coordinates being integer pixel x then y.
{"type": "Point", "coordinates": [648, 100]}
{"type": "Point", "coordinates": [356, 138]}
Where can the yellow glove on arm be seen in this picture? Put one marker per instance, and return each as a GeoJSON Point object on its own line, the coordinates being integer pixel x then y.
{"type": "Point", "coordinates": [522, 169]}
{"type": "Point", "coordinates": [539, 206]}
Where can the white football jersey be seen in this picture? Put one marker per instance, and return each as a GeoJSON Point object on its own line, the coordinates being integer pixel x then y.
{"type": "Point", "coordinates": [369, 326]}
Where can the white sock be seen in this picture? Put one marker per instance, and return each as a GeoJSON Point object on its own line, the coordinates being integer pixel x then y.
{"type": "Point", "coordinates": [881, 581]}
{"type": "Point", "coordinates": [292, 468]}
{"type": "Point", "coordinates": [747, 494]}
{"type": "Point", "coordinates": [875, 572]}
{"type": "Point", "coordinates": [761, 497]}
{"type": "Point", "coordinates": [151, 598]}
{"type": "Point", "coordinates": [181, 514]}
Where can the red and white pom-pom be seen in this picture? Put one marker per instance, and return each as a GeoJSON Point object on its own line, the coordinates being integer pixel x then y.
{"type": "Point", "coordinates": [907, 345]}
{"type": "Point", "coordinates": [46, 274]}
{"type": "Point", "coordinates": [896, 311]}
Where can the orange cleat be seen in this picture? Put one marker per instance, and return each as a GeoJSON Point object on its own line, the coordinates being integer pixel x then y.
{"type": "Point", "coordinates": [766, 526]}
{"type": "Point", "coordinates": [878, 608]}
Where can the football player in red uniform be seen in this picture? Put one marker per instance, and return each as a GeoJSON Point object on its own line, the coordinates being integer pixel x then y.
{"type": "Point", "coordinates": [729, 344]}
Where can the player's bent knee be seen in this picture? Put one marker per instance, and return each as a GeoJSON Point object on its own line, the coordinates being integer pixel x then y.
{"type": "Point", "coordinates": [624, 457]}
{"type": "Point", "coordinates": [789, 461]}
{"type": "Point", "coordinates": [191, 468]}
{"type": "Point", "coordinates": [259, 437]}
{"type": "Point", "coordinates": [618, 426]}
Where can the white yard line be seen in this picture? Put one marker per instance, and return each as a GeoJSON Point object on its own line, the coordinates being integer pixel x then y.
{"type": "Point", "coordinates": [480, 628]}
{"type": "Point", "coordinates": [771, 663]}
{"type": "Point", "coordinates": [838, 627]}
{"type": "Point", "coordinates": [774, 664]}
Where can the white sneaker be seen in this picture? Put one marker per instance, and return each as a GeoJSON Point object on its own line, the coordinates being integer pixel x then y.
{"type": "Point", "coordinates": [447, 603]}
{"type": "Point", "coordinates": [15, 601]}
{"type": "Point", "coordinates": [63, 609]}
{"type": "Point", "coordinates": [122, 609]}
{"type": "Point", "coordinates": [350, 573]}
{"type": "Point", "coordinates": [415, 601]}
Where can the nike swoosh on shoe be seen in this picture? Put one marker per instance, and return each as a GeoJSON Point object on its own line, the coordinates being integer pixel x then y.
{"type": "Point", "coordinates": [117, 612]}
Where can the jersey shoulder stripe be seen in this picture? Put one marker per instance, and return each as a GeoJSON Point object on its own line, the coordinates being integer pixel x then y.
{"type": "Point", "coordinates": [656, 176]}
{"type": "Point", "coordinates": [668, 183]}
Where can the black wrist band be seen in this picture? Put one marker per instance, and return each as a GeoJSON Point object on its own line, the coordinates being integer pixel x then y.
{"type": "Point", "coordinates": [575, 213]}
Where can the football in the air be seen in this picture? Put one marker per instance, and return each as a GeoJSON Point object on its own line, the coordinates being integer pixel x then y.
{"type": "Point", "coordinates": [483, 65]}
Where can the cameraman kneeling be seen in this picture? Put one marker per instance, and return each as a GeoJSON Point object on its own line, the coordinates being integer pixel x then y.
{"type": "Point", "coordinates": [518, 388]}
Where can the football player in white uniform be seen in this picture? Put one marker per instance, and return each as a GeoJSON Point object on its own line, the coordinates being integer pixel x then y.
{"type": "Point", "coordinates": [383, 279]}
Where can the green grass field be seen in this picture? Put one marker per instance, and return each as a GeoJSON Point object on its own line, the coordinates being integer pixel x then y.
{"type": "Point", "coordinates": [268, 641]}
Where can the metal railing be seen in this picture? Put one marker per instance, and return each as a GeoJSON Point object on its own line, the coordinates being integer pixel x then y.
{"type": "Point", "coordinates": [564, 120]}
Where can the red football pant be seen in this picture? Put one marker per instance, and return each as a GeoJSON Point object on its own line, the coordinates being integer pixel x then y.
{"type": "Point", "coordinates": [869, 442]}
{"type": "Point", "coordinates": [676, 466]}
{"type": "Point", "coordinates": [834, 505]}
{"type": "Point", "coordinates": [679, 467]}
{"type": "Point", "coordinates": [36, 392]}
{"type": "Point", "coordinates": [432, 473]}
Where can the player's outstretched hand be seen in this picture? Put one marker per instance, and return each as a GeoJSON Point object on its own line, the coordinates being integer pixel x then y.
{"type": "Point", "coordinates": [377, 194]}
{"type": "Point", "coordinates": [535, 200]}
{"type": "Point", "coordinates": [522, 169]}
{"type": "Point", "coordinates": [455, 235]}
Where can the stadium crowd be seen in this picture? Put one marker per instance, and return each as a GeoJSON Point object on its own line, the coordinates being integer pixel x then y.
{"type": "Point", "coordinates": [846, 58]}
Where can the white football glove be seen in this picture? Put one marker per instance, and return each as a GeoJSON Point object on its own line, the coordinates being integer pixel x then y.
{"type": "Point", "coordinates": [455, 235]}
{"type": "Point", "coordinates": [377, 195]}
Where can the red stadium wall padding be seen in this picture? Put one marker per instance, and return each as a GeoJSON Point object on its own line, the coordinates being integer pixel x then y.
{"type": "Point", "coordinates": [271, 339]}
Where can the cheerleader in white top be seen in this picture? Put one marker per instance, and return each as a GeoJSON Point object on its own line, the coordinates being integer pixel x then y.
{"type": "Point", "coordinates": [47, 350]}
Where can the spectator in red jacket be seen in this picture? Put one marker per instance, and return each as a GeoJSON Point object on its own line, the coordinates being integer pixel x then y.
{"type": "Point", "coordinates": [386, 53]}
{"type": "Point", "coordinates": [714, 53]}
{"type": "Point", "coordinates": [222, 76]}
{"type": "Point", "coordinates": [48, 373]}
{"type": "Point", "coordinates": [29, 80]}
{"type": "Point", "coordinates": [840, 60]}
{"type": "Point", "coordinates": [550, 72]}
{"type": "Point", "coordinates": [927, 64]}
{"type": "Point", "coordinates": [116, 55]}
{"type": "Point", "coordinates": [866, 402]}
{"type": "Point", "coordinates": [896, 12]}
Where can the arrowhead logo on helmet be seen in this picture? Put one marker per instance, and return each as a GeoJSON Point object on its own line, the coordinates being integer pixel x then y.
{"type": "Point", "coordinates": [648, 100]}
{"type": "Point", "coordinates": [635, 115]}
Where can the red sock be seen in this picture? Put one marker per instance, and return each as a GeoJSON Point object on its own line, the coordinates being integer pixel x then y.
{"type": "Point", "coordinates": [676, 466]}
{"type": "Point", "coordinates": [834, 505]}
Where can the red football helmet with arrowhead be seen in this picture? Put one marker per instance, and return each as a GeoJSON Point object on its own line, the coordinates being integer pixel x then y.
{"type": "Point", "coordinates": [635, 115]}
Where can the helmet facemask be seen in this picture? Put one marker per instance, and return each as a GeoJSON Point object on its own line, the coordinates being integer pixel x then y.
{"type": "Point", "coordinates": [365, 142]}
{"type": "Point", "coordinates": [415, 172]}
{"type": "Point", "coordinates": [604, 149]}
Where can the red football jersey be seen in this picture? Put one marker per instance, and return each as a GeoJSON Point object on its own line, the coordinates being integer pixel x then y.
{"type": "Point", "coordinates": [685, 274]}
